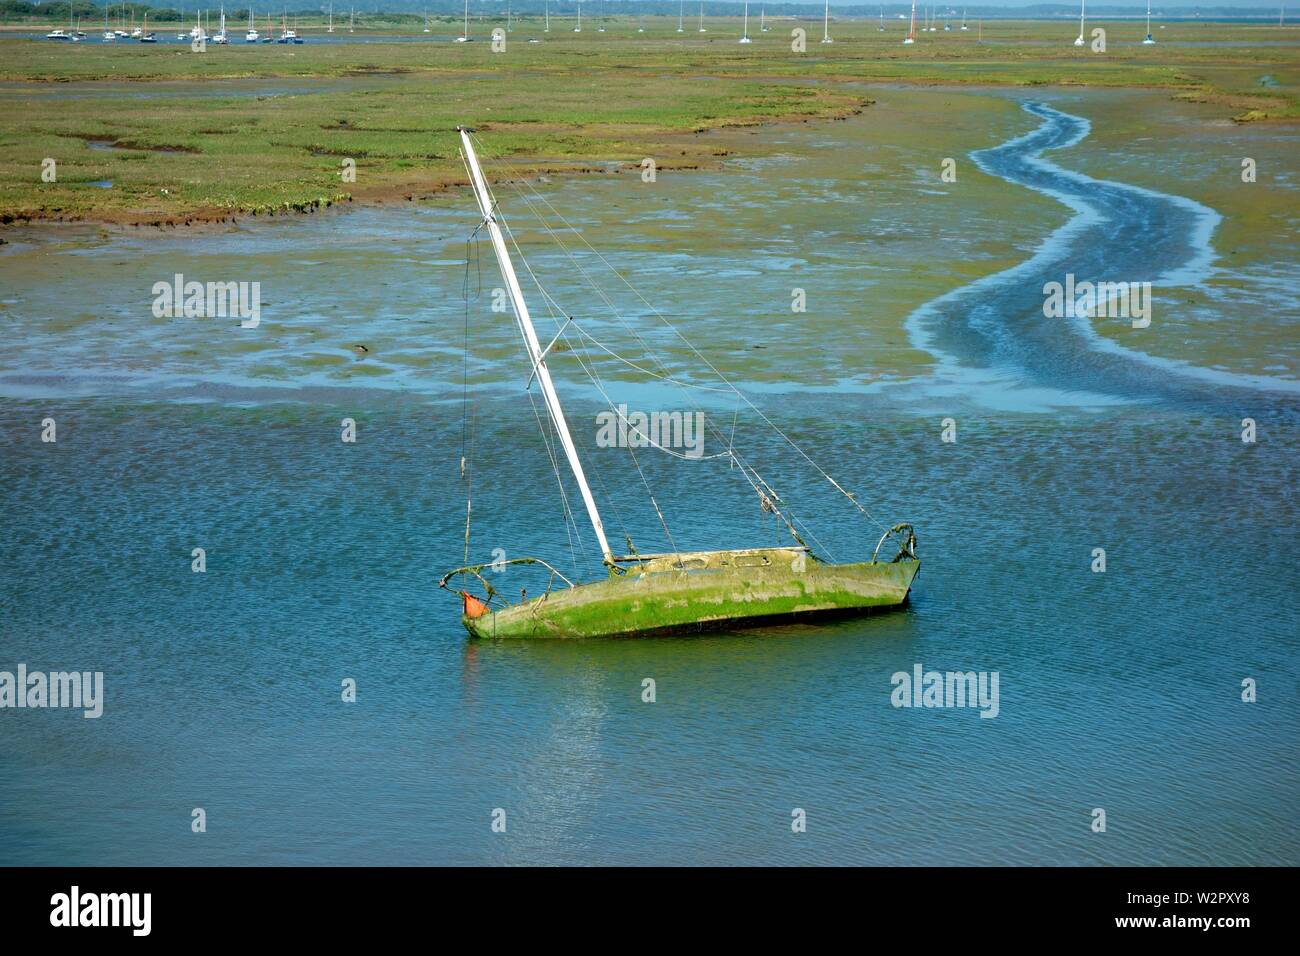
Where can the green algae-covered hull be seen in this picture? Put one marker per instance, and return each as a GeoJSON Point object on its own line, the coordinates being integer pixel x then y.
{"type": "Point", "coordinates": [703, 591]}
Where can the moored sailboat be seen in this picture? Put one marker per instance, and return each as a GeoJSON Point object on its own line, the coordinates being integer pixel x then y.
{"type": "Point", "coordinates": [221, 38]}
{"type": "Point", "coordinates": [672, 592]}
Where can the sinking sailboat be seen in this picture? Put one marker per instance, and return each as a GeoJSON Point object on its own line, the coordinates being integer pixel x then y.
{"type": "Point", "coordinates": [676, 591]}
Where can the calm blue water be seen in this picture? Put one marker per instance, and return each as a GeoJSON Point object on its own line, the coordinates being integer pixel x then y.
{"type": "Point", "coordinates": [1118, 690]}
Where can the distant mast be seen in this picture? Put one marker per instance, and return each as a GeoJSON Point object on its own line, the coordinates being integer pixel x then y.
{"type": "Point", "coordinates": [826, 23]}
{"type": "Point", "coordinates": [702, 30]}
{"type": "Point", "coordinates": [1082, 5]}
{"type": "Point", "coordinates": [911, 30]}
{"type": "Point", "coordinates": [1150, 39]}
{"type": "Point", "coordinates": [744, 33]}
{"type": "Point", "coordinates": [681, 15]}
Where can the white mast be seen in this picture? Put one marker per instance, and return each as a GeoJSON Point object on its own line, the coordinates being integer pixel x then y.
{"type": "Point", "coordinates": [911, 30]}
{"type": "Point", "coordinates": [1149, 39]}
{"type": "Point", "coordinates": [548, 16]}
{"type": "Point", "coordinates": [702, 16]}
{"type": "Point", "coordinates": [681, 12]}
{"type": "Point", "coordinates": [535, 353]}
{"type": "Point", "coordinates": [744, 33]}
{"type": "Point", "coordinates": [826, 23]}
{"type": "Point", "coordinates": [1082, 5]}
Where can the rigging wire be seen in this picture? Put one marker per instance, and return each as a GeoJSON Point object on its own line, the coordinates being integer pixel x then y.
{"type": "Point", "coordinates": [570, 523]}
{"type": "Point", "coordinates": [467, 415]}
{"type": "Point", "coordinates": [555, 313]}
{"type": "Point", "coordinates": [600, 293]}
{"type": "Point", "coordinates": [595, 378]}
{"type": "Point", "coordinates": [768, 500]}
{"type": "Point", "coordinates": [838, 487]}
